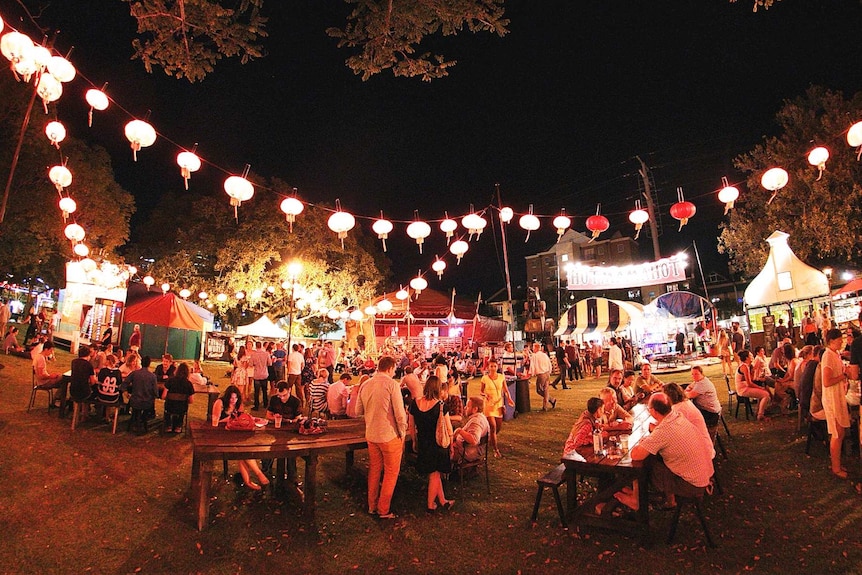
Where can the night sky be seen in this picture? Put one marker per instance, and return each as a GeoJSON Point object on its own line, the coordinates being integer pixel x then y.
{"type": "Point", "coordinates": [554, 112]}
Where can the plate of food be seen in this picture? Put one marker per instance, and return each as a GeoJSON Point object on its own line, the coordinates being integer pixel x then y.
{"type": "Point", "coordinates": [260, 422]}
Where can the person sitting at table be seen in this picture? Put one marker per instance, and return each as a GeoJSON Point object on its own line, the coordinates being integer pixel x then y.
{"type": "Point", "coordinates": [746, 387]}
{"type": "Point", "coordinates": [778, 361]}
{"type": "Point", "coordinates": [283, 403]}
{"type": "Point", "coordinates": [785, 386]}
{"type": "Point", "coordinates": [178, 394]}
{"type": "Point", "coordinates": [466, 439]}
{"type": "Point", "coordinates": [110, 382]}
{"type": "Point", "coordinates": [44, 378]}
{"type": "Point", "coordinates": [612, 417]}
{"type": "Point", "coordinates": [165, 370]}
{"type": "Point", "coordinates": [760, 372]}
{"type": "Point", "coordinates": [317, 391]}
{"type": "Point", "coordinates": [628, 391]}
{"type": "Point", "coordinates": [582, 431]}
{"type": "Point", "coordinates": [646, 383]}
{"type": "Point", "coordinates": [703, 395]}
{"type": "Point", "coordinates": [227, 407]}
{"type": "Point", "coordinates": [83, 379]}
{"type": "Point", "coordinates": [681, 403]}
{"type": "Point", "coordinates": [336, 396]}
{"type": "Point", "coordinates": [452, 398]}
{"type": "Point", "coordinates": [684, 466]}
{"type": "Point", "coordinates": [143, 389]}
{"type": "Point", "coordinates": [197, 377]}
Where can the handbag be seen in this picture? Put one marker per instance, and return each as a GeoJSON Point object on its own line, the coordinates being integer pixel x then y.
{"type": "Point", "coordinates": [444, 429]}
{"type": "Point", "coordinates": [242, 422]}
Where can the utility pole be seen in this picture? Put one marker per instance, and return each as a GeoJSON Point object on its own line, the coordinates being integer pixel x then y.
{"type": "Point", "coordinates": [653, 227]}
{"type": "Point", "coordinates": [511, 311]}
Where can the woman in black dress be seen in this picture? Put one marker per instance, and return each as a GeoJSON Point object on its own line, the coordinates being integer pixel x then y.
{"type": "Point", "coordinates": [432, 459]}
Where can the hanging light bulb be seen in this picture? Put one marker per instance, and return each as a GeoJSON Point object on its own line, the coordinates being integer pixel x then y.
{"type": "Point", "coordinates": [817, 158]}
{"type": "Point", "coordinates": [74, 233]}
{"type": "Point", "coordinates": [728, 194]}
{"type": "Point", "coordinates": [291, 208]}
{"type": "Point", "coordinates": [67, 206]}
{"type": "Point", "coordinates": [98, 100]}
{"type": "Point", "coordinates": [474, 223]}
{"type": "Point", "coordinates": [60, 176]}
{"type": "Point", "coordinates": [188, 162]}
{"type": "Point", "coordinates": [562, 223]}
{"type": "Point", "coordinates": [382, 228]}
{"type": "Point", "coordinates": [81, 250]}
{"type": "Point", "coordinates": [506, 215]}
{"type": "Point", "coordinates": [140, 135]}
{"type": "Point", "coordinates": [61, 68]}
{"type": "Point", "coordinates": [239, 189]}
{"type": "Point", "coordinates": [384, 305]}
{"type": "Point", "coordinates": [341, 222]}
{"type": "Point", "coordinates": [56, 133]}
{"type": "Point", "coordinates": [439, 266]}
{"type": "Point", "coordinates": [458, 249]}
{"type": "Point", "coordinates": [597, 223]}
{"type": "Point", "coordinates": [638, 217]}
{"type": "Point", "coordinates": [418, 283]}
{"type": "Point", "coordinates": [682, 210]}
{"type": "Point", "coordinates": [166, 287]}
{"type": "Point", "coordinates": [448, 227]}
{"type": "Point", "coordinates": [529, 222]}
{"type": "Point", "coordinates": [418, 230]}
{"type": "Point", "coordinates": [773, 180]}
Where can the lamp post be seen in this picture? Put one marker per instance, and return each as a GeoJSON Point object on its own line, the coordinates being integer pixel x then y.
{"type": "Point", "coordinates": [293, 270]}
{"type": "Point", "coordinates": [828, 272]}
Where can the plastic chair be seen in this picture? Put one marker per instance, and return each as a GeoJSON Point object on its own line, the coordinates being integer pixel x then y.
{"type": "Point", "coordinates": [731, 393]}
{"type": "Point", "coordinates": [36, 387]}
{"type": "Point", "coordinates": [462, 466]}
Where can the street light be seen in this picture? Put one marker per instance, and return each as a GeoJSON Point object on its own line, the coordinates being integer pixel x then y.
{"type": "Point", "coordinates": [294, 268]}
{"type": "Point", "coordinates": [828, 272]}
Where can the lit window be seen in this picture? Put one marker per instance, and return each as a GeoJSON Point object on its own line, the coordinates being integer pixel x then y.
{"type": "Point", "coordinates": [785, 282]}
{"type": "Point", "coordinates": [565, 257]}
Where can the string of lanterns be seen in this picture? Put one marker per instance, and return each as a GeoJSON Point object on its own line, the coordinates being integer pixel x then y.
{"type": "Point", "coordinates": [29, 60]}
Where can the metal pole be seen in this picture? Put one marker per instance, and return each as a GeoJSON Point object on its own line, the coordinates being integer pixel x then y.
{"type": "Point", "coordinates": [653, 226]}
{"type": "Point", "coordinates": [506, 268]}
{"type": "Point", "coordinates": [290, 318]}
{"type": "Point", "coordinates": [15, 155]}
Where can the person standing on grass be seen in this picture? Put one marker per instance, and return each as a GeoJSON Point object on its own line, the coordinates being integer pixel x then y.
{"type": "Point", "coordinates": [834, 402]}
{"type": "Point", "coordinates": [381, 402]}
{"type": "Point", "coordinates": [496, 392]}
{"type": "Point", "coordinates": [432, 458]}
{"type": "Point", "coordinates": [562, 366]}
{"type": "Point", "coordinates": [615, 356]}
{"type": "Point", "coordinates": [135, 338]}
{"type": "Point", "coordinates": [260, 361]}
{"type": "Point", "coordinates": [540, 368]}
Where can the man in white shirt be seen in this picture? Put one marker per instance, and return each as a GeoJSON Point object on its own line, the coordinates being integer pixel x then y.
{"type": "Point", "coordinates": [336, 397]}
{"type": "Point", "coordinates": [295, 363]}
{"type": "Point", "coordinates": [466, 439]}
{"type": "Point", "coordinates": [260, 360]}
{"type": "Point", "coordinates": [540, 368]}
{"type": "Point", "coordinates": [615, 356]}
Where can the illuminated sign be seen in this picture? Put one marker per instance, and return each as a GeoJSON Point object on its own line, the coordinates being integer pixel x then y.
{"type": "Point", "coordinates": [665, 270]}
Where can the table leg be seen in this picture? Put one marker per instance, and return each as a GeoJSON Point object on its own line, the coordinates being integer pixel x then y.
{"type": "Point", "coordinates": [63, 391]}
{"type": "Point", "coordinates": [308, 506]}
{"type": "Point", "coordinates": [202, 472]}
{"type": "Point", "coordinates": [279, 473]}
{"type": "Point", "coordinates": [643, 507]}
{"type": "Point", "coordinates": [348, 461]}
{"type": "Point", "coordinates": [571, 491]}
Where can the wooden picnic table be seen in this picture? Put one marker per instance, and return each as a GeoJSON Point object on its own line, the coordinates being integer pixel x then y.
{"type": "Point", "coordinates": [211, 444]}
{"type": "Point", "coordinates": [613, 473]}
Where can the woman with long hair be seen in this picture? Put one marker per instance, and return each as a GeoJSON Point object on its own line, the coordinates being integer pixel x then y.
{"type": "Point", "coordinates": [723, 349]}
{"type": "Point", "coordinates": [495, 392]}
{"type": "Point", "coordinates": [746, 387]}
{"type": "Point", "coordinates": [227, 407]}
{"type": "Point", "coordinates": [432, 458]}
{"type": "Point", "coordinates": [239, 376]}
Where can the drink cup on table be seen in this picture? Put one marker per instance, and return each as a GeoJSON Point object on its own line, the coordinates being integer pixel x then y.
{"type": "Point", "coordinates": [624, 443]}
{"type": "Point", "coordinates": [278, 421]}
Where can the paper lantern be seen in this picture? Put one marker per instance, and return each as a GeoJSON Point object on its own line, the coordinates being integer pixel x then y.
{"type": "Point", "coordinates": [88, 265]}
{"type": "Point", "coordinates": [439, 266]}
{"type": "Point", "coordinates": [402, 294]}
{"type": "Point", "coordinates": [149, 281]}
{"type": "Point", "coordinates": [221, 298]}
{"type": "Point", "coordinates": [140, 135]}
{"type": "Point", "coordinates": [56, 133]}
{"type": "Point", "coordinates": [61, 68]}
{"type": "Point", "coordinates": [60, 176]}
{"type": "Point", "coordinates": [356, 315]}
{"type": "Point", "coordinates": [67, 206]}
{"type": "Point", "coordinates": [458, 249]}
{"type": "Point", "coordinates": [529, 222]}
{"type": "Point", "coordinates": [728, 194]}
{"type": "Point", "coordinates": [419, 230]}
{"type": "Point", "coordinates": [773, 180]}
{"type": "Point", "coordinates": [418, 284]}
{"type": "Point", "coordinates": [26, 67]}
{"type": "Point", "coordinates": [382, 228]}
{"type": "Point", "coordinates": [81, 250]}
{"type": "Point", "coordinates": [239, 295]}
{"type": "Point", "coordinates": [240, 190]}
{"type": "Point", "coordinates": [49, 89]}
{"type": "Point", "coordinates": [16, 46]}
{"type": "Point", "coordinates": [854, 136]}
{"type": "Point", "coordinates": [333, 314]}
{"type": "Point", "coordinates": [562, 223]}
{"type": "Point", "coordinates": [384, 305]}
{"type": "Point", "coordinates": [188, 162]}
{"type": "Point", "coordinates": [638, 217]}
{"type": "Point", "coordinates": [98, 100]}
{"type": "Point", "coordinates": [370, 311]}
{"type": "Point", "coordinates": [597, 223]}
{"type": "Point", "coordinates": [506, 215]}
{"type": "Point", "coordinates": [166, 287]}
{"type": "Point", "coordinates": [291, 208]}
{"type": "Point", "coordinates": [203, 295]}
{"type": "Point", "coordinates": [74, 232]}
{"type": "Point", "coordinates": [185, 293]}
{"type": "Point", "coordinates": [474, 224]}
{"type": "Point", "coordinates": [341, 222]}
{"type": "Point", "coordinates": [682, 210]}
{"type": "Point", "coordinates": [448, 227]}
{"type": "Point", "coordinates": [817, 158]}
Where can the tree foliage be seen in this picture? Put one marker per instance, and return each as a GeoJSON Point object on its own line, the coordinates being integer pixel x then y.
{"type": "Point", "coordinates": [31, 237]}
{"type": "Point", "coordinates": [187, 37]}
{"type": "Point", "coordinates": [196, 244]}
{"type": "Point", "coordinates": [388, 33]}
{"type": "Point", "coordinates": [821, 213]}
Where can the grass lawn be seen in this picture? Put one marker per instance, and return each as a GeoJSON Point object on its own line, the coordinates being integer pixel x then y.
{"type": "Point", "coordinates": [92, 502]}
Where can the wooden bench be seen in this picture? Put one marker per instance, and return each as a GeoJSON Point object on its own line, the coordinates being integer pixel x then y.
{"type": "Point", "coordinates": [553, 479]}
{"type": "Point", "coordinates": [78, 411]}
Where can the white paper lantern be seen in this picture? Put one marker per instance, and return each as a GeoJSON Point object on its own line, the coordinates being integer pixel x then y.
{"type": "Point", "coordinates": [81, 250]}
{"type": "Point", "coordinates": [506, 215]}
{"type": "Point", "coordinates": [56, 133]}
{"type": "Point", "coordinates": [448, 227]}
{"type": "Point", "coordinates": [370, 311]}
{"type": "Point", "coordinates": [474, 224]}
{"type": "Point", "coordinates": [140, 135]}
{"type": "Point", "coordinates": [49, 89]}
{"type": "Point", "coordinates": [239, 295]}
{"type": "Point", "coordinates": [16, 46]}
{"type": "Point", "coordinates": [67, 206]}
{"type": "Point", "coordinates": [774, 179]}
{"type": "Point", "coordinates": [382, 228]}
{"type": "Point", "coordinates": [418, 284]}
{"type": "Point", "coordinates": [439, 266]}
{"type": "Point", "coordinates": [60, 176]}
{"type": "Point", "coordinates": [458, 249]}
{"type": "Point", "coordinates": [419, 230]}
{"type": "Point", "coordinates": [98, 100]}
{"type": "Point", "coordinates": [562, 223]}
{"type": "Point", "coordinates": [727, 195]}
{"type": "Point", "coordinates": [74, 232]}
{"type": "Point", "coordinates": [203, 295]}
{"type": "Point", "coordinates": [402, 294]}
{"type": "Point", "coordinates": [61, 68]}
{"type": "Point", "coordinates": [291, 208]}
{"type": "Point", "coordinates": [854, 135]}
{"type": "Point", "coordinates": [333, 314]}
{"type": "Point", "coordinates": [341, 222]}
{"type": "Point", "coordinates": [240, 190]}
{"type": "Point", "coordinates": [185, 293]}
{"type": "Point", "coordinates": [529, 222]}
{"type": "Point", "coordinates": [188, 162]}
{"type": "Point", "coordinates": [149, 281]}
{"type": "Point", "coordinates": [817, 158]}
{"type": "Point", "coordinates": [166, 287]}
{"type": "Point", "coordinates": [221, 298]}
{"type": "Point", "coordinates": [384, 305]}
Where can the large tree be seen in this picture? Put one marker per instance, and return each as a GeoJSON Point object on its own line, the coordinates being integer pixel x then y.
{"type": "Point", "coordinates": [32, 242]}
{"type": "Point", "coordinates": [197, 244]}
{"type": "Point", "coordinates": [820, 212]}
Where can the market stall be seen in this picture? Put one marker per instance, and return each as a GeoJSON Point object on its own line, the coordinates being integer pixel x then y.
{"type": "Point", "coordinates": [785, 288]}
{"type": "Point", "coordinates": [674, 317]}
{"type": "Point", "coordinates": [591, 318]}
{"type": "Point", "coordinates": [847, 302]}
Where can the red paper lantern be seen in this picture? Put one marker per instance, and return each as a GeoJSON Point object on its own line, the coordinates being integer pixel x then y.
{"type": "Point", "coordinates": [682, 210]}
{"type": "Point", "coordinates": [597, 223]}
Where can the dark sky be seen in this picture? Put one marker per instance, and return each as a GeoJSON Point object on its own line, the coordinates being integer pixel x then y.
{"type": "Point", "coordinates": [555, 112]}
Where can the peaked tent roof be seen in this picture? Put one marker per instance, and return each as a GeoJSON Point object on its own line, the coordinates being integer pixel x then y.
{"type": "Point", "coordinates": [598, 314]}
{"type": "Point", "coordinates": [428, 305]}
{"type": "Point", "coordinates": [852, 287]}
{"type": "Point", "coordinates": [680, 304]}
{"type": "Point", "coordinates": [785, 277]}
{"type": "Point", "coordinates": [263, 327]}
{"type": "Point", "coordinates": [164, 309]}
